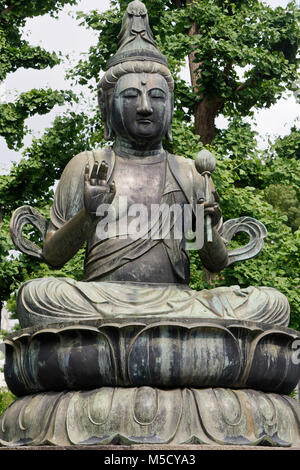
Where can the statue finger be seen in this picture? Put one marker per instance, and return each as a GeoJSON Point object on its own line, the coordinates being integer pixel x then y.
{"type": "Point", "coordinates": [103, 170]}
{"type": "Point", "coordinates": [94, 171]}
{"type": "Point", "coordinates": [112, 187]}
{"type": "Point", "coordinates": [86, 172]}
{"type": "Point", "coordinates": [210, 205]}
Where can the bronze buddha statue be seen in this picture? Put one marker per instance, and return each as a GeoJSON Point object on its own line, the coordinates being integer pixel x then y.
{"type": "Point", "coordinates": [144, 274]}
{"type": "Point", "coordinates": [131, 354]}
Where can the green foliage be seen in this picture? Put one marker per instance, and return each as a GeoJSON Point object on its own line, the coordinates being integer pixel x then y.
{"type": "Point", "coordinates": [21, 186]}
{"type": "Point", "coordinates": [19, 10]}
{"type": "Point", "coordinates": [295, 394]}
{"type": "Point", "coordinates": [30, 181]}
{"type": "Point", "coordinates": [286, 200]}
{"type": "Point", "coordinates": [288, 146]}
{"type": "Point", "coordinates": [15, 52]}
{"type": "Point", "coordinates": [13, 115]}
{"type": "Point", "coordinates": [6, 398]}
{"type": "Point", "coordinates": [185, 141]}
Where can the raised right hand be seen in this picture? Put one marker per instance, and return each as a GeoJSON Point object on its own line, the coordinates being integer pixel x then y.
{"type": "Point", "coordinates": [97, 190]}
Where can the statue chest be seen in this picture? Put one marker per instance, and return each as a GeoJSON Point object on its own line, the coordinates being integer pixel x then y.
{"type": "Point", "coordinates": [139, 182]}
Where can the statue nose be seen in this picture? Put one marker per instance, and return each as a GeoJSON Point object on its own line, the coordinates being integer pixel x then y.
{"type": "Point", "coordinates": [144, 108]}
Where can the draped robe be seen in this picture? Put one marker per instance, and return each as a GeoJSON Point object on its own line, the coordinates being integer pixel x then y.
{"type": "Point", "coordinates": [99, 295]}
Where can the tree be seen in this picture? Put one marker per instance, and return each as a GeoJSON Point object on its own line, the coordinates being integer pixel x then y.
{"type": "Point", "coordinates": [242, 56]}
{"type": "Point", "coordinates": [15, 52]}
{"type": "Point", "coordinates": [284, 194]}
{"type": "Point", "coordinates": [288, 146]}
{"type": "Point", "coordinates": [286, 200]}
{"type": "Point", "coordinates": [226, 36]}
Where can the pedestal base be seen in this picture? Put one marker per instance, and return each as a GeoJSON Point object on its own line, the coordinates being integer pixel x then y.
{"type": "Point", "coordinates": [147, 415]}
{"type": "Point", "coordinates": [167, 354]}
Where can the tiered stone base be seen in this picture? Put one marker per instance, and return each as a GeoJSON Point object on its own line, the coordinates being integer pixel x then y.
{"type": "Point", "coordinates": [152, 381]}
{"type": "Point", "coordinates": [147, 415]}
{"type": "Point", "coordinates": [180, 353]}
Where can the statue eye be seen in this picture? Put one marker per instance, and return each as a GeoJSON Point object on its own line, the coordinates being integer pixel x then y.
{"type": "Point", "coordinates": [131, 93]}
{"type": "Point", "coordinates": [159, 94]}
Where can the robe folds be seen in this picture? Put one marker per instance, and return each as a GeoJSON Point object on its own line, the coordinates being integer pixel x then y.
{"type": "Point", "coordinates": [48, 300]}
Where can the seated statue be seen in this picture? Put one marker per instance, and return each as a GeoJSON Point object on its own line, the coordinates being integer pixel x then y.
{"type": "Point", "coordinates": [143, 272]}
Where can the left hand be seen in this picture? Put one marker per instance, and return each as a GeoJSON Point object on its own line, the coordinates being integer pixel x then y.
{"type": "Point", "coordinates": [97, 191]}
{"type": "Point", "coordinates": [214, 211]}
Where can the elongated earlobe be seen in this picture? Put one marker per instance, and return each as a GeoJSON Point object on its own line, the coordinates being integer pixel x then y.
{"type": "Point", "coordinates": [108, 132]}
{"type": "Point", "coordinates": [105, 106]}
{"type": "Point", "coordinates": [169, 134]}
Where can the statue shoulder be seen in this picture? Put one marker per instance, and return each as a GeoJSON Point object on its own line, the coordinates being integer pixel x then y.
{"type": "Point", "coordinates": [76, 165]}
{"type": "Point", "coordinates": [181, 160]}
{"type": "Point", "coordinates": [182, 167]}
{"type": "Point", "coordinates": [186, 174]}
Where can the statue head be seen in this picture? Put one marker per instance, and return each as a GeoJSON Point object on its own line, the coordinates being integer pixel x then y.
{"type": "Point", "coordinates": [136, 93]}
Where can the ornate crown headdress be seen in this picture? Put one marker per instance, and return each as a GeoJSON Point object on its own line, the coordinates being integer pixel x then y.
{"type": "Point", "coordinates": [137, 50]}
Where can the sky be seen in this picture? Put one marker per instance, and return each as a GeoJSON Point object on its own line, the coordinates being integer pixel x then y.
{"type": "Point", "coordinates": [66, 35]}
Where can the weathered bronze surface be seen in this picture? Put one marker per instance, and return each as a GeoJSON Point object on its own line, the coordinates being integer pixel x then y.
{"type": "Point", "coordinates": [149, 269]}
{"type": "Point", "coordinates": [148, 415]}
{"type": "Point", "coordinates": [131, 354]}
{"type": "Point", "coordinates": [165, 354]}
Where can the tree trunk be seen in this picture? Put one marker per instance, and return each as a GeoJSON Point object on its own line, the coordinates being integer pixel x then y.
{"type": "Point", "coordinates": [207, 108]}
{"type": "Point", "coordinates": [7, 9]}
{"type": "Point", "coordinates": [205, 115]}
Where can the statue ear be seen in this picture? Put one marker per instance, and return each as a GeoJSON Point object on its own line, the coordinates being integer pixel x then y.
{"type": "Point", "coordinates": [169, 134]}
{"type": "Point", "coordinates": [103, 102]}
{"type": "Point", "coordinates": [108, 132]}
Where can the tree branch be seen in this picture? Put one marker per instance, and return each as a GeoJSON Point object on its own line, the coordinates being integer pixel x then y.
{"type": "Point", "coordinates": [7, 9]}
{"type": "Point", "coordinates": [253, 81]}
{"type": "Point", "coordinates": [242, 87]}
{"type": "Point", "coordinates": [178, 3]}
{"type": "Point", "coordinates": [245, 85]}
{"type": "Point", "coordinates": [227, 68]}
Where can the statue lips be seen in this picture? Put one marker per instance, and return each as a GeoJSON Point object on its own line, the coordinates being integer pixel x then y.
{"type": "Point", "coordinates": [146, 127]}
{"type": "Point", "coordinates": [144, 121]}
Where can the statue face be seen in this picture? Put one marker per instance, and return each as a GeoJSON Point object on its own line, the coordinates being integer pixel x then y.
{"type": "Point", "coordinates": [141, 108]}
